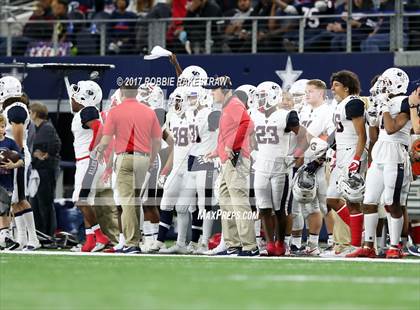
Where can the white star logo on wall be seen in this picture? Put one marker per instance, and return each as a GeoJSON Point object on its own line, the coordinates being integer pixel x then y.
{"type": "Point", "coordinates": [288, 75]}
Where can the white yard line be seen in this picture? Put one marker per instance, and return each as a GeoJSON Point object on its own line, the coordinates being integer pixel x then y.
{"type": "Point", "coordinates": [327, 279]}
{"type": "Point", "coordinates": [319, 259]}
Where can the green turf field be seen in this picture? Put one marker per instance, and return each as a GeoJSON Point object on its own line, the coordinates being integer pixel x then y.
{"type": "Point", "coordinates": [144, 282]}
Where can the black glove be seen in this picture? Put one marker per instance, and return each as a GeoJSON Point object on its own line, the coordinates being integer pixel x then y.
{"type": "Point", "coordinates": [312, 167]}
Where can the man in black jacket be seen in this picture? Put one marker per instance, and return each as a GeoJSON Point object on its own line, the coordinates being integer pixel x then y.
{"type": "Point", "coordinates": [45, 159]}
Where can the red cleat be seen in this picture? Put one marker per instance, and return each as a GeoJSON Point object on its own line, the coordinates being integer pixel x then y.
{"type": "Point", "coordinates": [101, 238]}
{"type": "Point", "coordinates": [271, 248]}
{"type": "Point", "coordinates": [280, 248]}
{"type": "Point", "coordinates": [394, 253]}
{"type": "Point", "coordinates": [363, 252]}
{"type": "Point", "coordinates": [110, 250]}
{"type": "Point", "coordinates": [89, 244]}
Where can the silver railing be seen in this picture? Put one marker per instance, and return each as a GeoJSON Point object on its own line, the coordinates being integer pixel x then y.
{"type": "Point", "coordinates": [397, 31]}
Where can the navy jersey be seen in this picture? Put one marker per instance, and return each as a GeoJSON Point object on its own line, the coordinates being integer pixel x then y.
{"type": "Point", "coordinates": [310, 12]}
{"type": "Point", "coordinates": [6, 175]}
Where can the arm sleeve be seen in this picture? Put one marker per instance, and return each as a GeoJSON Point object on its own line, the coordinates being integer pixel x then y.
{"type": "Point", "coordinates": [405, 106]}
{"type": "Point", "coordinates": [213, 120]}
{"type": "Point", "coordinates": [292, 121]}
{"type": "Point", "coordinates": [88, 114]}
{"type": "Point", "coordinates": [161, 116]}
{"type": "Point", "coordinates": [17, 115]}
{"type": "Point", "coordinates": [355, 108]}
{"type": "Point", "coordinates": [156, 130]}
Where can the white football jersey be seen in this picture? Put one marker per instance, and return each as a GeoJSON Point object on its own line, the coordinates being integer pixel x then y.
{"type": "Point", "coordinates": [203, 140]}
{"type": "Point", "coordinates": [273, 142]}
{"type": "Point", "coordinates": [345, 135]}
{"type": "Point", "coordinates": [82, 137]}
{"type": "Point", "coordinates": [396, 105]}
{"type": "Point", "coordinates": [179, 129]}
{"type": "Point", "coordinates": [317, 121]}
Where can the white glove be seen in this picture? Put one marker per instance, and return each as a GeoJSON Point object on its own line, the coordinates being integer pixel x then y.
{"type": "Point", "coordinates": [161, 180]}
{"type": "Point", "coordinates": [372, 114]}
{"type": "Point", "coordinates": [290, 9]}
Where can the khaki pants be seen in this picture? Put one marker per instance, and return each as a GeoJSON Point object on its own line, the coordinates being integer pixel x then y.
{"type": "Point", "coordinates": [107, 214]}
{"type": "Point", "coordinates": [341, 231]}
{"type": "Point", "coordinates": [234, 197]}
{"type": "Point", "coordinates": [130, 170]}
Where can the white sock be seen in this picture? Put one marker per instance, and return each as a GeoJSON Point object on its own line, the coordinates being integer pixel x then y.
{"type": "Point", "coordinates": [183, 218]}
{"type": "Point", "coordinates": [370, 223]}
{"type": "Point", "coordinates": [379, 242]}
{"type": "Point", "coordinates": [297, 241]}
{"type": "Point", "coordinates": [257, 226]}
{"type": "Point", "coordinates": [313, 240]}
{"type": "Point", "coordinates": [89, 231]}
{"type": "Point", "coordinates": [330, 240]}
{"type": "Point", "coordinates": [95, 227]}
{"type": "Point", "coordinates": [287, 239]}
{"type": "Point", "coordinates": [30, 227]}
{"type": "Point", "coordinates": [148, 231]}
{"type": "Point", "coordinates": [4, 233]}
{"type": "Point", "coordinates": [396, 229]}
{"type": "Point", "coordinates": [207, 228]}
{"type": "Point", "coordinates": [121, 240]}
{"type": "Point", "coordinates": [155, 228]}
{"type": "Point", "coordinates": [22, 237]}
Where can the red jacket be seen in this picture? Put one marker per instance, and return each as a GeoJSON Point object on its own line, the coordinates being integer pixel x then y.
{"type": "Point", "coordinates": [235, 128]}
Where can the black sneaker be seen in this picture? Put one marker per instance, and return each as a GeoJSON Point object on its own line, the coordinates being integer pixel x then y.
{"type": "Point", "coordinates": [131, 250]}
{"type": "Point", "coordinates": [231, 251]}
{"type": "Point", "coordinates": [295, 251]}
{"type": "Point", "coordinates": [254, 252]}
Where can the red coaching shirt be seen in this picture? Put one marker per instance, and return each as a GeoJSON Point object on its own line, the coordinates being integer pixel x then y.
{"type": "Point", "coordinates": [134, 125]}
{"type": "Point", "coordinates": [234, 129]}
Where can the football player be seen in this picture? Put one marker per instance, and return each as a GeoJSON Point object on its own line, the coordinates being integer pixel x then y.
{"type": "Point", "coordinates": [17, 120]}
{"type": "Point", "coordinates": [173, 194]}
{"type": "Point", "coordinates": [202, 174]}
{"type": "Point", "coordinates": [350, 138]}
{"type": "Point", "coordinates": [7, 168]}
{"type": "Point", "coordinates": [316, 117]}
{"type": "Point", "coordinates": [86, 126]}
{"type": "Point", "coordinates": [272, 178]}
{"type": "Point", "coordinates": [389, 173]}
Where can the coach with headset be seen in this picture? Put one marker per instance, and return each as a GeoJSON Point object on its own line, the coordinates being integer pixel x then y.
{"type": "Point", "coordinates": [233, 149]}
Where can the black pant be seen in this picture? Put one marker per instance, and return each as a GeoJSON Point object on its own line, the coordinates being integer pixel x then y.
{"type": "Point", "coordinates": [43, 202]}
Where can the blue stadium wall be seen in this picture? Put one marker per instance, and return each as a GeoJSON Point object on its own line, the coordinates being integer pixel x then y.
{"type": "Point", "coordinates": [243, 69]}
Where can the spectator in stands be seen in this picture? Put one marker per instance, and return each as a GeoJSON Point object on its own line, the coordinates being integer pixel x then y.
{"type": "Point", "coordinates": [334, 37]}
{"type": "Point", "coordinates": [59, 11]}
{"type": "Point", "coordinates": [174, 36]}
{"type": "Point", "coordinates": [140, 7]}
{"type": "Point", "coordinates": [228, 5]}
{"type": "Point", "coordinates": [45, 160]}
{"type": "Point", "coordinates": [235, 35]}
{"type": "Point", "coordinates": [380, 38]}
{"type": "Point", "coordinates": [160, 9]}
{"type": "Point", "coordinates": [196, 31]}
{"type": "Point", "coordinates": [40, 32]}
{"type": "Point", "coordinates": [122, 33]}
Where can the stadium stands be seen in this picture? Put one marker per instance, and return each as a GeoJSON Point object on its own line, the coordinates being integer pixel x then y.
{"type": "Point", "coordinates": [88, 27]}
